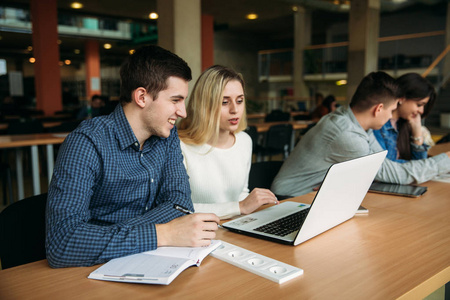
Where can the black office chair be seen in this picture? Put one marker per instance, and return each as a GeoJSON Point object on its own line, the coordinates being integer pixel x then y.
{"type": "Point", "coordinates": [277, 115]}
{"type": "Point", "coordinates": [25, 127]}
{"type": "Point", "coordinates": [67, 126]}
{"type": "Point", "coordinates": [444, 139]}
{"type": "Point", "coordinates": [278, 140]}
{"type": "Point", "coordinates": [262, 175]}
{"type": "Point", "coordinates": [6, 183]}
{"type": "Point", "coordinates": [22, 232]}
{"type": "Point", "coordinates": [253, 133]}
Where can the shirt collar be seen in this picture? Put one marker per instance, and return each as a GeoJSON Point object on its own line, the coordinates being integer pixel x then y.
{"type": "Point", "coordinates": [350, 113]}
{"type": "Point", "coordinates": [124, 134]}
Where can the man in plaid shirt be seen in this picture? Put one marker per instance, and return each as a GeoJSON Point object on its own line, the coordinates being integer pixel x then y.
{"type": "Point", "coordinates": [117, 177]}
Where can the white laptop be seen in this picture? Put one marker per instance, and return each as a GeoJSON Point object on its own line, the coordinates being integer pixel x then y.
{"type": "Point", "coordinates": [339, 197]}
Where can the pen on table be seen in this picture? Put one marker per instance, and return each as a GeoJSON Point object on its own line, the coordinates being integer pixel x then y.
{"type": "Point", "coordinates": [187, 211]}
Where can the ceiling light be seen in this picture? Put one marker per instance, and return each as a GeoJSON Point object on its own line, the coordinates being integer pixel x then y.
{"type": "Point", "coordinates": [153, 16]}
{"type": "Point", "coordinates": [30, 48]}
{"type": "Point", "coordinates": [67, 61]}
{"type": "Point", "coordinates": [61, 64]}
{"type": "Point", "coordinates": [32, 60]}
{"type": "Point", "coordinates": [252, 16]}
{"type": "Point", "coordinates": [59, 42]}
{"type": "Point", "coordinates": [76, 51]}
{"type": "Point", "coordinates": [76, 5]}
{"type": "Point", "coordinates": [295, 8]}
{"type": "Point", "coordinates": [341, 82]}
{"type": "Point", "coordinates": [107, 46]}
{"type": "Point", "coordinates": [131, 51]}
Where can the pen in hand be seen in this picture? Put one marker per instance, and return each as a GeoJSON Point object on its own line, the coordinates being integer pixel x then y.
{"type": "Point", "coordinates": [187, 211]}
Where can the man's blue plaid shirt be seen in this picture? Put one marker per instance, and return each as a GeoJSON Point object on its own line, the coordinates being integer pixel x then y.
{"type": "Point", "coordinates": [106, 195]}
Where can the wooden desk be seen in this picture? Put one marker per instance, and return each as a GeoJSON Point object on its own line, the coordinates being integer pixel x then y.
{"type": "Point", "coordinates": [297, 125]}
{"type": "Point", "coordinates": [256, 116]}
{"type": "Point", "coordinates": [439, 148]}
{"type": "Point", "coordinates": [33, 141]}
{"type": "Point", "coordinates": [4, 126]}
{"type": "Point", "coordinates": [399, 250]}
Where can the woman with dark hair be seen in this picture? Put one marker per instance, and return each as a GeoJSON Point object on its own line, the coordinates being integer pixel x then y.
{"type": "Point", "coordinates": [402, 135]}
{"type": "Point", "coordinates": [328, 105]}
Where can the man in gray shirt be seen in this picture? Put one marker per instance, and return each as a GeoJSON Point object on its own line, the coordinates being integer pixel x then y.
{"type": "Point", "coordinates": [346, 134]}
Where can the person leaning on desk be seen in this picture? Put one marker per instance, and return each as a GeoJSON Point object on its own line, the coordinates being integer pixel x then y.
{"type": "Point", "coordinates": [347, 134]}
{"type": "Point", "coordinates": [117, 177]}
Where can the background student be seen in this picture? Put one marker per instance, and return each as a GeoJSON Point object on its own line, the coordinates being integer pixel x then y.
{"type": "Point", "coordinates": [346, 134]}
{"type": "Point", "coordinates": [328, 105]}
{"type": "Point", "coordinates": [217, 153]}
{"type": "Point", "coordinates": [403, 135]}
{"type": "Point", "coordinates": [117, 177]}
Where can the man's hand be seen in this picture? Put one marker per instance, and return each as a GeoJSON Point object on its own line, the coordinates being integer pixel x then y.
{"type": "Point", "coordinates": [255, 199]}
{"type": "Point", "coordinates": [195, 230]}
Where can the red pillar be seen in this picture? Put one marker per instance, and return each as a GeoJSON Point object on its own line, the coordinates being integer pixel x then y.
{"type": "Point", "coordinates": [92, 61]}
{"type": "Point", "coordinates": [46, 52]}
{"type": "Point", "coordinates": [207, 41]}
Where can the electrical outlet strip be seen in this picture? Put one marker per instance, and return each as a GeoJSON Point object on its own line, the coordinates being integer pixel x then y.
{"type": "Point", "coordinates": [258, 264]}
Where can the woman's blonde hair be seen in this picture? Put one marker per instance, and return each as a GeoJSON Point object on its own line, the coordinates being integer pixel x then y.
{"type": "Point", "coordinates": [204, 107]}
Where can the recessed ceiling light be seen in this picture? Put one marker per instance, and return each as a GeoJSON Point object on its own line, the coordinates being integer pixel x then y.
{"type": "Point", "coordinates": [76, 51]}
{"type": "Point", "coordinates": [67, 61]}
{"type": "Point", "coordinates": [76, 5]}
{"type": "Point", "coordinates": [107, 46]}
{"type": "Point", "coordinates": [252, 16]}
{"type": "Point", "coordinates": [32, 60]}
{"type": "Point", "coordinates": [131, 51]}
{"type": "Point", "coordinates": [153, 16]}
{"type": "Point", "coordinates": [30, 48]}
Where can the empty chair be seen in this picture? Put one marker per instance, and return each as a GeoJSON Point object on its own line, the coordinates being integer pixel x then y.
{"type": "Point", "coordinates": [253, 133]}
{"type": "Point", "coordinates": [444, 139]}
{"type": "Point", "coordinates": [278, 140]}
{"type": "Point", "coordinates": [277, 115]}
{"type": "Point", "coordinates": [22, 232]}
{"type": "Point", "coordinates": [262, 174]}
{"type": "Point", "coordinates": [25, 127]}
{"type": "Point", "coordinates": [6, 183]}
{"type": "Point", "coordinates": [68, 126]}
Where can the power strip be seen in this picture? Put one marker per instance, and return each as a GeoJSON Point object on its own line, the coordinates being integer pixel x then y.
{"type": "Point", "coordinates": [258, 264]}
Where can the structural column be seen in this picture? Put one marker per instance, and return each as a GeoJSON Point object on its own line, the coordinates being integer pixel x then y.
{"type": "Point", "coordinates": [46, 52]}
{"type": "Point", "coordinates": [446, 67]}
{"type": "Point", "coordinates": [207, 41]}
{"type": "Point", "coordinates": [179, 30]}
{"type": "Point", "coordinates": [302, 38]}
{"type": "Point", "coordinates": [364, 28]}
{"type": "Point", "coordinates": [92, 61]}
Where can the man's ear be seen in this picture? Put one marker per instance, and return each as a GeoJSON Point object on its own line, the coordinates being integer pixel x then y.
{"type": "Point", "coordinates": [139, 97]}
{"type": "Point", "coordinates": [377, 109]}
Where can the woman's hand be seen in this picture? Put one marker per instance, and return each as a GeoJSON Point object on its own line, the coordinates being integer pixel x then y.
{"type": "Point", "coordinates": [255, 199]}
{"type": "Point", "coordinates": [416, 130]}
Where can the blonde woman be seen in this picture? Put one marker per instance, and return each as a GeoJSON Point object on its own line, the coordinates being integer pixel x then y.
{"type": "Point", "coordinates": [217, 153]}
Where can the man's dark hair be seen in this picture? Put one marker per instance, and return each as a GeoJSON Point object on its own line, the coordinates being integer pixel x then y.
{"type": "Point", "coordinates": [375, 88]}
{"type": "Point", "coordinates": [150, 67]}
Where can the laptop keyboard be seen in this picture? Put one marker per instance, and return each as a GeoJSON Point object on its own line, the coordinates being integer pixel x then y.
{"type": "Point", "coordinates": [286, 225]}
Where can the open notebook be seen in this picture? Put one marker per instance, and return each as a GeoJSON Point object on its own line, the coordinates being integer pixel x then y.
{"type": "Point", "coordinates": [160, 266]}
{"type": "Point", "coordinates": [339, 197]}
